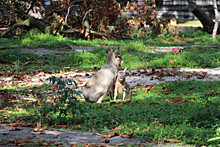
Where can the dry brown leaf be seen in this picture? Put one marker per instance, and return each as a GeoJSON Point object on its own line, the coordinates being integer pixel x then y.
{"type": "Point", "coordinates": [109, 136]}
{"type": "Point", "coordinates": [172, 140]}
{"type": "Point", "coordinates": [191, 88]}
{"type": "Point", "coordinates": [128, 135]}
{"type": "Point", "coordinates": [43, 128]}
{"type": "Point", "coordinates": [5, 111]}
{"type": "Point", "coordinates": [210, 94]}
{"type": "Point", "coordinates": [80, 79]}
{"type": "Point", "coordinates": [60, 126]}
{"type": "Point", "coordinates": [176, 96]}
{"type": "Point", "coordinates": [52, 129]}
{"type": "Point", "coordinates": [15, 129]}
{"type": "Point", "coordinates": [18, 109]}
{"type": "Point", "coordinates": [104, 141]}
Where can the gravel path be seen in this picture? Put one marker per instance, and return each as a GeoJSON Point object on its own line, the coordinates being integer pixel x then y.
{"type": "Point", "coordinates": [65, 138]}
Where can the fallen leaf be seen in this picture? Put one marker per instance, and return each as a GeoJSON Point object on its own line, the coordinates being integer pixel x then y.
{"type": "Point", "coordinates": [192, 87]}
{"type": "Point", "coordinates": [52, 129]}
{"type": "Point", "coordinates": [43, 128]}
{"type": "Point", "coordinates": [104, 141]}
{"type": "Point", "coordinates": [175, 50]}
{"type": "Point", "coordinates": [173, 62]}
{"type": "Point", "coordinates": [60, 126]}
{"type": "Point", "coordinates": [176, 96]}
{"type": "Point", "coordinates": [109, 136]}
{"type": "Point", "coordinates": [128, 135]}
{"type": "Point", "coordinates": [37, 128]}
{"type": "Point", "coordinates": [5, 111]}
{"type": "Point", "coordinates": [18, 109]}
{"type": "Point", "coordinates": [210, 94]}
{"type": "Point", "coordinates": [172, 140]}
{"type": "Point", "coordinates": [15, 129]}
{"type": "Point", "coordinates": [80, 79]}
{"type": "Point", "coordinates": [140, 84]}
{"type": "Point", "coordinates": [29, 62]}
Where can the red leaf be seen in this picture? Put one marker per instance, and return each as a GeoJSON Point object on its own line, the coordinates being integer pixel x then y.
{"type": "Point", "coordinates": [175, 50]}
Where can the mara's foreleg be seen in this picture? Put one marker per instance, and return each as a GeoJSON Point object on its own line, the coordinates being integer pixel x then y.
{"type": "Point", "coordinates": [124, 93]}
{"type": "Point", "coordinates": [115, 93]}
{"type": "Point", "coordinates": [101, 98]}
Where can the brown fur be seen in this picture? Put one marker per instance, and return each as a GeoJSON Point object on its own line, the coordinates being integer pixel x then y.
{"type": "Point", "coordinates": [122, 89]}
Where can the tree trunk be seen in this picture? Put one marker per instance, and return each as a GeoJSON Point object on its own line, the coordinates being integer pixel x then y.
{"type": "Point", "coordinates": [216, 20]}
{"type": "Point", "coordinates": [207, 22]}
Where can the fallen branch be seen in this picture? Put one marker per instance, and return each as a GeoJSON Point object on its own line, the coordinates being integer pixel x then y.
{"type": "Point", "coordinates": [30, 22]}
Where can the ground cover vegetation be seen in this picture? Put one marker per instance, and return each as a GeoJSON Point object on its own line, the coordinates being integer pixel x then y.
{"type": "Point", "coordinates": [184, 112]}
{"type": "Point", "coordinates": [36, 39]}
{"type": "Point", "coordinates": [181, 112]}
{"type": "Point", "coordinates": [18, 61]}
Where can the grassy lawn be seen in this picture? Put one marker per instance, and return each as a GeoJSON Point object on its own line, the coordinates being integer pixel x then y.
{"type": "Point", "coordinates": [17, 61]}
{"type": "Point", "coordinates": [188, 111]}
{"type": "Point", "coordinates": [35, 39]}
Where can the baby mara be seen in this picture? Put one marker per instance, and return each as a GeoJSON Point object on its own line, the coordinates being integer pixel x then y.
{"type": "Point", "coordinates": [122, 89]}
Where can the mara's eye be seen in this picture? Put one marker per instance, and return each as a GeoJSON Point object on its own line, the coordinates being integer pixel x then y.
{"type": "Point", "coordinates": [118, 56]}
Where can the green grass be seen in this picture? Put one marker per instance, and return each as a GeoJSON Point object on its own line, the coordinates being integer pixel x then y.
{"type": "Point", "coordinates": [35, 39]}
{"type": "Point", "coordinates": [170, 110]}
{"type": "Point", "coordinates": [17, 61]}
{"type": "Point", "coordinates": [190, 38]}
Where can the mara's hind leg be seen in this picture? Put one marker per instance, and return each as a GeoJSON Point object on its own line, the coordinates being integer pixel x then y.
{"type": "Point", "coordinates": [111, 91]}
{"type": "Point", "coordinates": [100, 99]}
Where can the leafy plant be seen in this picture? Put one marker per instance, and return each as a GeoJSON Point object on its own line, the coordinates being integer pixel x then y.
{"type": "Point", "coordinates": [63, 105]}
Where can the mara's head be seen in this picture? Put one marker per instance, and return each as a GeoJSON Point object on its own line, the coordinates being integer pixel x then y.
{"type": "Point", "coordinates": [121, 75]}
{"type": "Point", "coordinates": [114, 57]}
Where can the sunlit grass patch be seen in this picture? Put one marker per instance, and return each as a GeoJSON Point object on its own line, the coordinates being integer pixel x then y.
{"type": "Point", "coordinates": [36, 39]}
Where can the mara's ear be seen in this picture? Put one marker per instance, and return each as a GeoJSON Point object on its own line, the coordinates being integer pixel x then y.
{"type": "Point", "coordinates": [109, 49]}
{"type": "Point", "coordinates": [116, 51]}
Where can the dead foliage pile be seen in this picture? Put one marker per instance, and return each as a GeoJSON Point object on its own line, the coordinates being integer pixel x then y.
{"type": "Point", "coordinates": [85, 19]}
